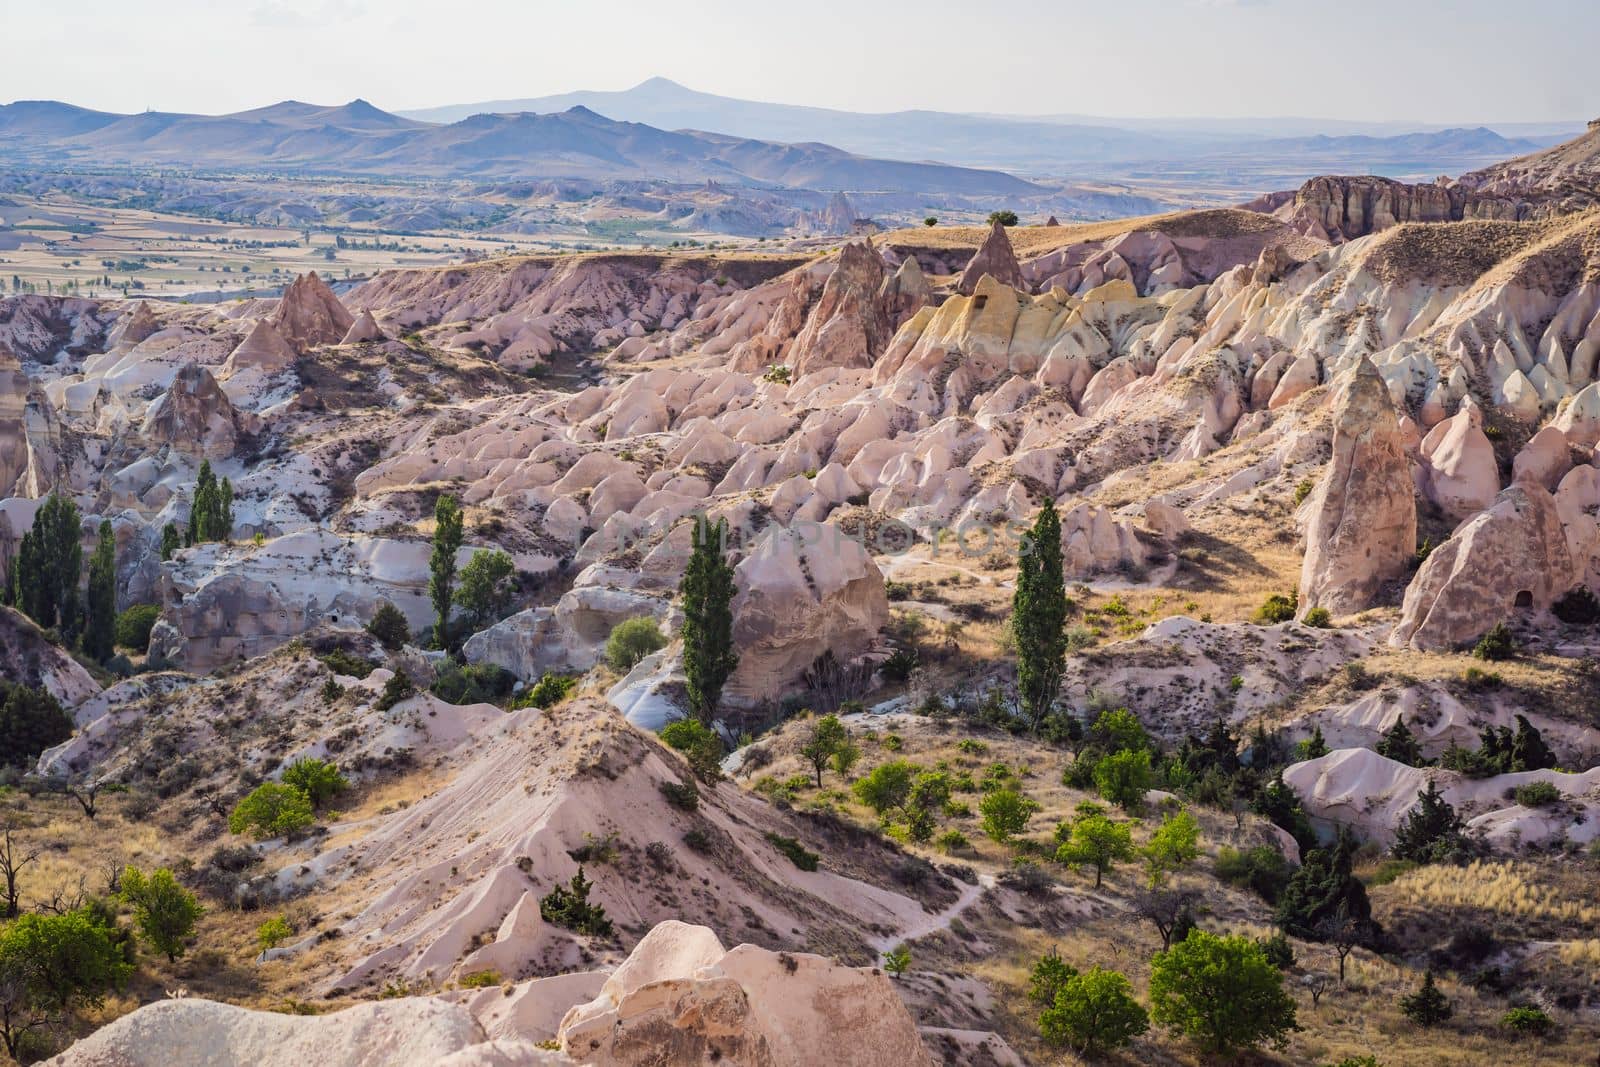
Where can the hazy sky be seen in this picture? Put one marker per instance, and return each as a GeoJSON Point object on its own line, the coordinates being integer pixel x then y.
{"type": "Point", "coordinates": [1427, 60]}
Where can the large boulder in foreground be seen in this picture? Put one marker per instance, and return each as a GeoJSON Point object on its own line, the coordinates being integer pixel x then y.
{"type": "Point", "coordinates": [1511, 556]}
{"type": "Point", "coordinates": [1362, 524]}
{"type": "Point", "coordinates": [801, 592]}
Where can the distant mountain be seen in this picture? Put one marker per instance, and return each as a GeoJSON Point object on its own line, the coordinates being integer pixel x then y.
{"type": "Point", "coordinates": [1046, 144]}
{"type": "Point", "coordinates": [359, 138]}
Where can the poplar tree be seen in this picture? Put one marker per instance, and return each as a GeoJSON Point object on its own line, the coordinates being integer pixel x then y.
{"type": "Point", "coordinates": [49, 565]}
{"type": "Point", "coordinates": [100, 625]}
{"type": "Point", "coordinates": [171, 541]}
{"type": "Point", "coordinates": [707, 591]}
{"type": "Point", "coordinates": [447, 535]}
{"type": "Point", "coordinates": [1039, 616]}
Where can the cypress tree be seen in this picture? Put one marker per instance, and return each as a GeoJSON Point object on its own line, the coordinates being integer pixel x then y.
{"type": "Point", "coordinates": [222, 513]}
{"type": "Point", "coordinates": [1322, 889]}
{"type": "Point", "coordinates": [1039, 615]}
{"type": "Point", "coordinates": [100, 626]}
{"type": "Point", "coordinates": [447, 535]}
{"type": "Point", "coordinates": [707, 591]}
{"type": "Point", "coordinates": [171, 541]}
{"type": "Point", "coordinates": [205, 489]}
{"type": "Point", "coordinates": [1431, 830]}
{"type": "Point", "coordinates": [1400, 745]}
{"type": "Point", "coordinates": [49, 565]}
{"type": "Point", "coordinates": [1528, 750]}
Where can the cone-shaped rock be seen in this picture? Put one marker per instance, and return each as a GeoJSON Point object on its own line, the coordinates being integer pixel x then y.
{"type": "Point", "coordinates": [995, 259]}
{"type": "Point", "coordinates": [138, 326]}
{"type": "Point", "coordinates": [365, 328]}
{"type": "Point", "coordinates": [310, 315]}
{"type": "Point", "coordinates": [1052, 221]}
{"type": "Point", "coordinates": [264, 349]}
{"type": "Point", "coordinates": [1362, 529]}
{"type": "Point", "coordinates": [194, 415]}
{"type": "Point", "coordinates": [905, 292]}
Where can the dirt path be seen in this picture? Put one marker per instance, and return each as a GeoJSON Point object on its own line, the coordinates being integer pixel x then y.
{"type": "Point", "coordinates": [932, 924]}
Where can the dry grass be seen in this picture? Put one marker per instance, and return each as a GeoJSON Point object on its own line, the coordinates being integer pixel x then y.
{"type": "Point", "coordinates": [1507, 888]}
{"type": "Point", "coordinates": [1037, 240]}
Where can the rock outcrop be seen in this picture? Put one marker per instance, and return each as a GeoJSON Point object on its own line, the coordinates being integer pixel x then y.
{"type": "Point", "coordinates": [1361, 526]}
{"type": "Point", "coordinates": [995, 258]}
{"type": "Point", "coordinates": [1511, 557]}
{"type": "Point", "coordinates": [263, 349]}
{"type": "Point", "coordinates": [195, 416]}
{"type": "Point", "coordinates": [365, 328]}
{"type": "Point", "coordinates": [1459, 471]}
{"type": "Point", "coordinates": [309, 314]}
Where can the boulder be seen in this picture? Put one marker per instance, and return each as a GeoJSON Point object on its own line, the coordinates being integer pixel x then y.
{"type": "Point", "coordinates": [1544, 460]}
{"type": "Point", "coordinates": [365, 328]}
{"type": "Point", "coordinates": [1459, 470]}
{"type": "Point", "coordinates": [1512, 556]}
{"type": "Point", "coordinates": [1361, 528]}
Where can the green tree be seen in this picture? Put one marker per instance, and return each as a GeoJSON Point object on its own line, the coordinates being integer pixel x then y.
{"type": "Point", "coordinates": [1094, 1012]}
{"type": "Point", "coordinates": [896, 961]}
{"type": "Point", "coordinates": [272, 810]}
{"type": "Point", "coordinates": [1005, 814]}
{"type": "Point", "coordinates": [1313, 747]}
{"type": "Point", "coordinates": [389, 626]}
{"type": "Point", "coordinates": [1221, 991]}
{"type": "Point", "coordinates": [1174, 845]}
{"type": "Point", "coordinates": [886, 787]}
{"type": "Point", "coordinates": [49, 565]}
{"type": "Point", "coordinates": [488, 582]}
{"type": "Point", "coordinates": [1124, 778]}
{"type": "Point", "coordinates": [1400, 744]}
{"type": "Point", "coordinates": [100, 624]}
{"type": "Point", "coordinates": [1095, 841]}
{"type": "Point", "coordinates": [1004, 218]}
{"type": "Point", "coordinates": [707, 589]}
{"type": "Point", "coordinates": [171, 541]}
{"type": "Point", "coordinates": [274, 932]}
{"type": "Point", "coordinates": [211, 511]}
{"type": "Point", "coordinates": [846, 756]}
{"type": "Point", "coordinates": [822, 743]}
{"type": "Point", "coordinates": [1428, 1006]}
{"type": "Point", "coordinates": [1039, 616]}
{"type": "Point", "coordinates": [1431, 831]}
{"type": "Point", "coordinates": [1528, 750]}
{"type": "Point", "coordinates": [632, 640]}
{"type": "Point", "coordinates": [318, 779]}
{"type": "Point", "coordinates": [568, 906]}
{"type": "Point", "coordinates": [699, 744]}
{"type": "Point", "coordinates": [1049, 977]}
{"type": "Point", "coordinates": [134, 625]}
{"type": "Point", "coordinates": [163, 910]}
{"type": "Point", "coordinates": [1323, 889]}
{"type": "Point", "coordinates": [1119, 730]}
{"type": "Point", "coordinates": [930, 792]}
{"type": "Point", "coordinates": [30, 721]}
{"type": "Point", "coordinates": [447, 535]}
{"type": "Point", "coordinates": [52, 964]}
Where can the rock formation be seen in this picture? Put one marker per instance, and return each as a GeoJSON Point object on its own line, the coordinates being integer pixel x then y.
{"type": "Point", "coordinates": [365, 328]}
{"type": "Point", "coordinates": [996, 259]}
{"type": "Point", "coordinates": [195, 416]}
{"type": "Point", "coordinates": [263, 349]}
{"type": "Point", "coordinates": [1511, 557]}
{"type": "Point", "coordinates": [309, 314]}
{"type": "Point", "coordinates": [1361, 526]}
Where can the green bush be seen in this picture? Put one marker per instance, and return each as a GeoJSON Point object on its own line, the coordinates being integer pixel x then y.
{"type": "Point", "coordinates": [797, 853]}
{"type": "Point", "coordinates": [1427, 1006]}
{"type": "Point", "coordinates": [1321, 618]}
{"type": "Point", "coordinates": [30, 721]}
{"type": "Point", "coordinates": [473, 683]}
{"type": "Point", "coordinates": [1497, 644]}
{"type": "Point", "coordinates": [1536, 794]}
{"type": "Point", "coordinates": [1221, 991]}
{"type": "Point", "coordinates": [547, 692]}
{"type": "Point", "coordinates": [1526, 1019]}
{"type": "Point", "coordinates": [700, 745]}
{"type": "Point", "coordinates": [1303, 490]}
{"type": "Point", "coordinates": [134, 625]}
{"type": "Point", "coordinates": [388, 624]}
{"type": "Point", "coordinates": [685, 796]}
{"type": "Point", "coordinates": [631, 641]}
{"type": "Point", "coordinates": [164, 911]}
{"type": "Point", "coordinates": [273, 932]}
{"type": "Point", "coordinates": [1094, 1011]}
{"type": "Point", "coordinates": [898, 667]}
{"type": "Point", "coordinates": [351, 666]}
{"type": "Point", "coordinates": [318, 779]}
{"type": "Point", "coordinates": [1124, 777]}
{"type": "Point", "coordinates": [1260, 869]}
{"type": "Point", "coordinates": [568, 907]}
{"type": "Point", "coordinates": [396, 689]}
{"type": "Point", "coordinates": [479, 980]}
{"type": "Point", "coordinates": [1005, 814]}
{"type": "Point", "coordinates": [272, 810]}
{"type": "Point", "coordinates": [1278, 608]}
{"type": "Point", "coordinates": [1004, 218]}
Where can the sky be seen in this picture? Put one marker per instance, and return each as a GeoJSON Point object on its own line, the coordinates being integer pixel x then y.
{"type": "Point", "coordinates": [1433, 61]}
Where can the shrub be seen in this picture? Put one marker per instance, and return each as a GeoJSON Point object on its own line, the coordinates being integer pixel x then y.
{"type": "Point", "coordinates": [886, 787]}
{"type": "Point", "coordinates": [318, 779]}
{"type": "Point", "coordinates": [1095, 841]}
{"type": "Point", "coordinates": [1261, 869]}
{"type": "Point", "coordinates": [632, 640]}
{"type": "Point", "coordinates": [1094, 1011]}
{"type": "Point", "coordinates": [341, 662]}
{"type": "Point", "coordinates": [568, 907]}
{"type": "Point", "coordinates": [1303, 490]}
{"type": "Point", "coordinates": [1124, 777]}
{"type": "Point", "coordinates": [1577, 608]}
{"type": "Point", "coordinates": [952, 841]}
{"type": "Point", "coordinates": [30, 721]}
{"type": "Point", "coordinates": [699, 744]}
{"type": "Point", "coordinates": [685, 796]}
{"type": "Point", "coordinates": [1221, 991]}
{"type": "Point", "coordinates": [273, 932]}
{"type": "Point", "coordinates": [778, 374]}
{"type": "Point", "coordinates": [1526, 1019]}
{"type": "Point", "coordinates": [547, 692]}
{"type": "Point", "coordinates": [164, 911]}
{"type": "Point", "coordinates": [1174, 845]}
{"type": "Point", "coordinates": [1497, 644]}
{"type": "Point", "coordinates": [1004, 218]}
{"type": "Point", "coordinates": [395, 690]}
{"type": "Point", "coordinates": [896, 961]}
{"type": "Point", "coordinates": [272, 810]}
{"type": "Point", "coordinates": [1278, 951]}
{"type": "Point", "coordinates": [797, 853]}
{"type": "Point", "coordinates": [1278, 608]}
{"type": "Point", "coordinates": [479, 980]}
{"type": "Point", "coordinates": [1536, 794]}
{"type": "Point", "coordinates": [1427, 1006]}
{"type": "Point", "coordinates": [1321, 618]}
{"type": "Point", "coordinates": [473, 683]}
{"type": "Point", "coordinates": [898, 667]}
{"type": "Point", "coordinates": [1049, 976]}
{"type": "Point", "coordinates": [388, 624]}
{"type": "Point", "coordinates": [134, 624]}
{"type": "Point", "coordinates": [1005, 814]}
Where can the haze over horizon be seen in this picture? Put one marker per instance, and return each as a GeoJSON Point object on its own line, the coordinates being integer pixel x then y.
{"type": "Point", "coordinates": [1135, 62]}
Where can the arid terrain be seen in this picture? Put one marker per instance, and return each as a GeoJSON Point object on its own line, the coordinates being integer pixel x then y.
{"type": "Point", "coordinates": [1318, 474]}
